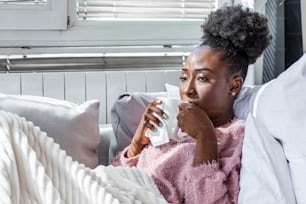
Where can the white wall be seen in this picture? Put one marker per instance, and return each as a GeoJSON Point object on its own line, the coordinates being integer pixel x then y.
{"type": "Point", "coordinates": [78, 87]}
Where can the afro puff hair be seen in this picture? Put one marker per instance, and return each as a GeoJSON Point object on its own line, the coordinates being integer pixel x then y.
{"type": "Point", "coordinates": [237, 31]}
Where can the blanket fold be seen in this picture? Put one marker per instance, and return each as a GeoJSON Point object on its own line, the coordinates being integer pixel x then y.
{"type": "Point", "coordinates": [35, 170]}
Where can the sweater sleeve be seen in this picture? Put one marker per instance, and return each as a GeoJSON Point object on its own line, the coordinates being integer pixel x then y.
{"type": "Point", "coordinates": [217, 182]}
{"type": "Point", "coordinates": [121, 159]}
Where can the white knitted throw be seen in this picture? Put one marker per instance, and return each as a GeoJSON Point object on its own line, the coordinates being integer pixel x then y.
{"type": "Point", "coordinates": [33, 169]}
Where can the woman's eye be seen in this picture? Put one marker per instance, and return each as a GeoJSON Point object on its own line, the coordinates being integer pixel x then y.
{"type": "Point", "coordinates": [183, 78]}
{"type": "Point", "coordinates": [202, 78]}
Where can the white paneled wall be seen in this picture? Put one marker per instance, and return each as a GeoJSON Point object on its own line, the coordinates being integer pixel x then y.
{"type": "Point", "coordinates": [75, 86]}
{"type": "Point", "coordinates": [78, 87]}
{"type": "Point", "coordinates": [54, 84]}
{"type": "Point", "coordinates": [32, 84]}
{"type": "Point", "coordinates": [96, 89]}
{"type": "Point", "coordinates": [10, 83]}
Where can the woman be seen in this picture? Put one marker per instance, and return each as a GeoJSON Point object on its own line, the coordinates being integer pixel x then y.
{"type": "Point", "coordinates": [204, 166]}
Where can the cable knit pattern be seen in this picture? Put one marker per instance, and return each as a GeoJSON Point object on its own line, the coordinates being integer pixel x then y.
{"type": "Point", "coordinates": [34, 170]}
{"type": "Point", "coordinates": [170, 166]}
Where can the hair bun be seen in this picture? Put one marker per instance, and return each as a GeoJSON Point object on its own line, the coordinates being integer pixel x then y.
{"type": "Point", "coordinates": [237, 30]}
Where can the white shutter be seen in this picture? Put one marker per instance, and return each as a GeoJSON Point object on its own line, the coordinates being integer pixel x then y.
{"type": "Point", "coordinates": [144, 9]}
{"type": "Point", "coordinates": [33, 14]}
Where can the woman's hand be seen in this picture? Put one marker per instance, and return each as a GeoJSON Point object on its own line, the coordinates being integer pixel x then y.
{"type": "Point", "coordinates": [194, 121]}
{"type": "Point", "coordinates": [140, 140]}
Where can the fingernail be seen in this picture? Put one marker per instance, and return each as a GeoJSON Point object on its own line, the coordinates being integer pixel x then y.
{"type": "Point", "coordinates": [165, 116]}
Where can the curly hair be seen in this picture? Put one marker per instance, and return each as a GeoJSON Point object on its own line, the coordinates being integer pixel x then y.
{"type": "Point", "coordinates": [240, 33]}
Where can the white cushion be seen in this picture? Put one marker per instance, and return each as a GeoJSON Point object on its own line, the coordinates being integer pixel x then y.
{"type": "Point", "coordinates": [244, 102]}
{"type": "Point", "coordinates": [264, 175]}
{"type": "Point", "coordinates": [74, 127]}
{"type": "Point", "coordinates": [280, 109]}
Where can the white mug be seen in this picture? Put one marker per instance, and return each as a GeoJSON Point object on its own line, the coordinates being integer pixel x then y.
{"type": "Point", "coordinates": [170, 108]}
{"type": "Point", "coordinates": [169, 128]}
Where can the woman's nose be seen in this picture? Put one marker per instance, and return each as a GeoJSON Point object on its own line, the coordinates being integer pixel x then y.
{"type": "Point", "coordinates": [190, 89]}
{"type": "Point", "coordinates": [191, 93]}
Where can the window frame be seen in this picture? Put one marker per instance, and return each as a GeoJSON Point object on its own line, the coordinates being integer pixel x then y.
{"type": "Point", "coordinates": [49, 16]}
{"type": "Point", "coordinates": [108, 33]}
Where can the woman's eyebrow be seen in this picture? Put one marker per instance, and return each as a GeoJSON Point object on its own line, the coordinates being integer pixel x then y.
{"type": "Point", "coordinates": [199, 69]}
{"type": "Point", "coordinates": [203, 69]}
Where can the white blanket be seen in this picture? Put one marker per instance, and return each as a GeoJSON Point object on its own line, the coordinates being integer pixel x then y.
{"type": "Point", "coordinates": [33, 169]}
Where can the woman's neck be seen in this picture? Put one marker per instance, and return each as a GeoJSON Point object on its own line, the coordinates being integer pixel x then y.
{"type": "Point", "coordinates": [223, 119]}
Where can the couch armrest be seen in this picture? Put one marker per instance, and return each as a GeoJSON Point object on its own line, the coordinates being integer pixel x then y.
{"type": "Point", "coordinates": [106, 134]}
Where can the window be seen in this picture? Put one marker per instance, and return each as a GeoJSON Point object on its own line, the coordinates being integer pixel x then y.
{"type": "Point", "coordinates": [100, 23]}
{"type": "Point", "coordinates": [145, 22]}
{"type": "Point", "coordinates": [33, 14]}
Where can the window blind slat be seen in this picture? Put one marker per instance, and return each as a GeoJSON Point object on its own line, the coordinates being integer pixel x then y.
{"type": "Point", "coordinates": [22, 1]}
{"type": "Point", "coordinates": [146, 10]}
{"type": "Point", "coordinates": [137, 9]}
{"type": "Point", "coordinates": [146, 4]}
{"type": "Point", "coordinates": [144, 1]}
{"type": "Point", "coordinates": [145, 16]}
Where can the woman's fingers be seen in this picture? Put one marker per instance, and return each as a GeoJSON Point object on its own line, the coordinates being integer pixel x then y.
{"type": "Point", "coordinates": [153, 114]}
{"type": "Point", "coordinates": [155, 102]}
{"type": "Point", "coordinates": [184, 105]}
{"type": "Point", "coordinates": [184, 118]}
{"type": "Point", "coordinates": [147, 124]}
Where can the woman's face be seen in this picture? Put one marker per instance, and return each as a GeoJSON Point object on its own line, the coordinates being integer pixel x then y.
{"type": "Point", "coordinates": [207, 82]}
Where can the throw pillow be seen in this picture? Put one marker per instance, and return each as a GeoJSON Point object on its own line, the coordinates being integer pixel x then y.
{"type": "Point", "coordinates": [74, 127]}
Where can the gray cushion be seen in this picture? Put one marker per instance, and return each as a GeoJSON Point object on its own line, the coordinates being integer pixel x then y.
{"type": "Point", "coordinates": [126, 114]}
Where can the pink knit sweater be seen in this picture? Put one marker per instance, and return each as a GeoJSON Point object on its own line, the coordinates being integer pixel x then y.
{"type": "Point", "coordinates": [170, 166]}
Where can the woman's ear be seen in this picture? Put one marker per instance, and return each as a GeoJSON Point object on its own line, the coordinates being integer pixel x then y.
{"type": "Point", "coordinates": [236, 84]}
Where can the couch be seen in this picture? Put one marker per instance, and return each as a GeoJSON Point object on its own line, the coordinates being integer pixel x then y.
{"type": "Point", "coordinates": [274, 157]}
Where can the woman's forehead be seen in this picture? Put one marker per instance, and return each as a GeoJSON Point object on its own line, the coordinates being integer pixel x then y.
{"type": "Point", "coordinates": [203, 55]}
